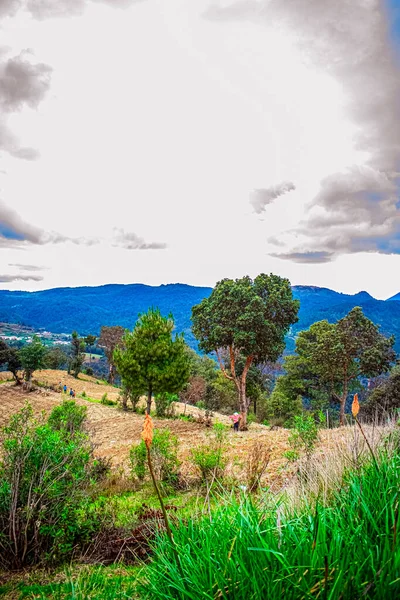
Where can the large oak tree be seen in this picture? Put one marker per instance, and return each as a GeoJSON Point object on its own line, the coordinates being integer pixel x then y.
{"type": "Point", "coordinates": [249, 319]}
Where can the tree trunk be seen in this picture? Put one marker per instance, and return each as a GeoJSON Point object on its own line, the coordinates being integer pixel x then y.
{"type": "Point", "coordinates": [343, 404]}
{"type": "Point", "coordinates": [149, 396]}
{"type": "Point", "coordinates": [111, 375]}
{"type": "Point", "coordinates": [243, 407]}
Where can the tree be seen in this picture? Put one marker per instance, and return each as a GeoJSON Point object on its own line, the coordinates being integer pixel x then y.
{"type": "Point", "coordinates": [77, 354]}
{"type": "Point", "coordinates": [151, 361]}
{"type": "Point", "coordinates": [56, 358]}
{"type": "Point", "coordinates": [89, 341]}
{"type": "Point", "coordinates": [110, 338]}
{"type": "Point", "coordinates": [385, 398]}
{"type": "Point", "coordinates": [32, 358]}
{"type": "Point", "coordinates": [10, 358]}
{"type": "Point", "coordinates": [331, 357]}
{"type": "Point", "coordinates": [247, 318]}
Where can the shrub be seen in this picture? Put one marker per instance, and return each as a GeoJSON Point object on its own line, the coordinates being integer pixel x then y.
{"type": "Point", "coordinates": [209, 458]}
{"type": "Point", "coordinates": [304, 435]}
{"type": "Point", "coordinates": [164, 454]}
{"type": "Point", "coordinates": [43, 475]}
{"type": "Point", "coordinates": [89, 371]}
{"type": "Point", "coordinates": [165, 404]}
{"type": "Point", "coordinates": [105, 400]}
{"type": "Point", "coordinates": [68, 417]}
{"type": "Point", "coordinates": [83, 394]}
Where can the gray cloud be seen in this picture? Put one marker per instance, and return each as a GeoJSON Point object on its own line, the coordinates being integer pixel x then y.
{"type": "Point", "coordinates": [10, 278]}
{"type": "Point", "coordinates": [131, 241]}
{"type": "Point", "coordinates": [260, 198]}
{"type": "Point", "coordinates": [306, 257]}
{"type": "Point", "coordinates": [22, 83]}
{"type": "Point", "coordinates": [27, 267]}
{"type": "Point", "coordinates": [355, 210]}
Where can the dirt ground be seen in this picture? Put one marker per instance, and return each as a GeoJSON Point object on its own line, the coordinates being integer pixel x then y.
{"type": "Point", "coordinates": [113, 431]}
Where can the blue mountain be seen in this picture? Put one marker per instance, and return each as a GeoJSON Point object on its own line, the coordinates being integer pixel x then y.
{"type": "Point", "coordinates": [86, 309]}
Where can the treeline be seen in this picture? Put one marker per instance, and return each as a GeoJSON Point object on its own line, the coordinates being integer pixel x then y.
{"type": "Point", "coordinates": [242, 325]}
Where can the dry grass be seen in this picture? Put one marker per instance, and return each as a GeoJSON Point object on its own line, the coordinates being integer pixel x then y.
{"type": "Point", "coordinates": [113, 432]}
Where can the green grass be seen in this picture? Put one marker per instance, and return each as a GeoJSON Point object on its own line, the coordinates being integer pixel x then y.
{"type": "Point", "coordinates": [248, 551]}
{"type": "Point", "coordinates": [99, 583]}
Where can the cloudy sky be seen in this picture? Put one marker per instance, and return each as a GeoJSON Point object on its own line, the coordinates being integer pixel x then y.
{"type": "Point", "coordinates": [185, 141]}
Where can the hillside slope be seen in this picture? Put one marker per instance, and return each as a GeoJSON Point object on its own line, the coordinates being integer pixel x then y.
{"type": "Point", "coordinates": [86, 309]}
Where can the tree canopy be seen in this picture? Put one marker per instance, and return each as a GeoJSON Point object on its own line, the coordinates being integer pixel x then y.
{"type": "Point", "coordinates": [33, 357]}
{"type": "Point", "coordinates": [247, 318]}
{"type": "Point", "coordinates": [330, 357]}
{"type": "Point", "coordinates": [150, 360]}
{"type": "Point", "coordinates": [110, 338]}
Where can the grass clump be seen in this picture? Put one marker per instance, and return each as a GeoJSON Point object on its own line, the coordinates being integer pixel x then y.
{"type": "Point", "coordinates": [249, 550]}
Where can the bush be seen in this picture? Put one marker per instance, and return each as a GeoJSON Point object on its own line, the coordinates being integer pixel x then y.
{"type": "Point", "coordinates": [279, 408]}
{"type": "Point", "coordinates": [104, 400]}
{"type": "Point", "coordinates": [258, 457]}
{"type": "Point", "coordinates": [304, 435]}
{"type": "Point", "coordinates": [165, 404]}
{"type": "Point", "coordinates": [209, 458]}
{"type": "Point", "coordinates": [43, 476]}
{"type": "Point", "coordinates": [164, 454]}
{"type": "Point", "coordinates": [68, 417]}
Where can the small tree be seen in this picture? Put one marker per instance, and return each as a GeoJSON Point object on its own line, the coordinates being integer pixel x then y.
{"type": "Point", "coordinates": [32, 358]}
{"type": "Point", "coordinates": [56, 358]}
{"type": "Point", "coordinates": [11, 359]}
{"type": "Point", "coordinates": [110, 338]}
{"type": "Point", "coordinates": [77, 355]}
{"type": "Point", "coordinates": [89, 341]}
{"type": "Point", "coordinates": [246, 318]}
{"type": "Point", "coordinates": [151, 361]}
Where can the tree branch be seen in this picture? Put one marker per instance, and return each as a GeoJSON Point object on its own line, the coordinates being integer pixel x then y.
{"type": "Point", "coordinates": [222, 367]}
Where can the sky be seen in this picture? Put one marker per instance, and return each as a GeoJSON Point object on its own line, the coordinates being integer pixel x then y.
{"type": "Point", "coordinates": [161, 142]}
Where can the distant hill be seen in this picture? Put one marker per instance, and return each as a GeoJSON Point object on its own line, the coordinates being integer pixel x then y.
{"type": "Point", "coordinates": [85, 309]}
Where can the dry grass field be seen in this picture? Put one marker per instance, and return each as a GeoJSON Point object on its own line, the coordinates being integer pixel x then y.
{"type": "Point", "coordinates": [113, 431]}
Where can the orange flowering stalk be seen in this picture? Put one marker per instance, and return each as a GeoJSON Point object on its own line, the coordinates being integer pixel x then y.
{"type": "Point", "coordinates": [147, 433]}
{"type": "Point", "coordinates": [355, 407]}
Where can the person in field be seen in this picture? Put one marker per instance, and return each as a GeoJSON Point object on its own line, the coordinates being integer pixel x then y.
{"type": "Point", "coordinates": [235, 418]}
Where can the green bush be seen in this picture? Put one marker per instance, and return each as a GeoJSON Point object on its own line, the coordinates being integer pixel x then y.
{"type": "Point", "coordinates": [165, 404]}
{"type": "Point", "coordinates": [43, 477]}
{"type": "Point", "coordinates": [164, 454]}
{"type": "Point", "coordinates": [105, 400]}
{"type": "Point", "coordinates": [304, 435]}
{"type": "Point", "coordinates": [210, 458]}
{"type": "Point", "coordinates": [68, 417]}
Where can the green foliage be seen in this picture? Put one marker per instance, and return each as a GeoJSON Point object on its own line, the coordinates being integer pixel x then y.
{"type": "Point", "coordinates": [165, 404]}
{"type": "Point", "coordinates": [77, 357]}
{"type": "Point", "coordinates": [164, 455]}
{"type": "Point", "coordinates": [330, 358]}
{"type": "Point", "coordinates": [304, 434]}
{"type": "Point", "coordinates": [347, 549]}
{"type": "Point", "coordinates": [56, 358]}
{"type": "Point", "coordinates": [43, 475]}
{"type": "Point", "coordinates": [152, 362]}
{"type": "Point", "coordinates": [248, 319]}
{"type": "Point", "coordinates": [210, 458]}
{"type": "Point", "coordinates": [385, 398]}
{"type": "Point", "coordinates": [106, 401]}
{"type": "Point", "coordinates": [281, 406]}
{"type": "Point", "coordinates": [10, 358]}
{"type": "Point", "coordinates": [88, 583]}
{"type": "Point", "coordinates": [68, 417]}
{"type": "Point", "coordinates": [32, 357]}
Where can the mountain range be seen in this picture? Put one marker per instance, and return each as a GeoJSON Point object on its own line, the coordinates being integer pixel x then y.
{"type": "Point", "coordinates": [86, 309]}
